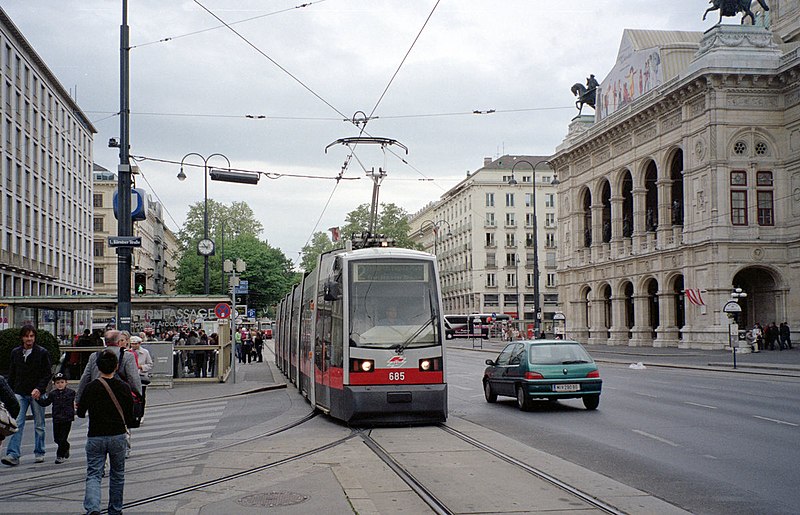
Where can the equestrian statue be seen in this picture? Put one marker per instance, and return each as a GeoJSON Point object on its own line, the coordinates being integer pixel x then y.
{"type": "Point", "coordinates": [731, 7]}
{"type": "Point", "coordinates": [586, 94]}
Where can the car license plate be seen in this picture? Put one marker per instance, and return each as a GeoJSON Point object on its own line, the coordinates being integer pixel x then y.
{"type": "Point", "coordinates": [570, 387]}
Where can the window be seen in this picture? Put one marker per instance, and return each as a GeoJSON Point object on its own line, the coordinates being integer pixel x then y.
{"type": "Point", "coordinates": [490, 200]}
{"type": "Point", "coordinates": [528, 197]}
{"type": "Point", "coordinates": [509, 200]}
{"type": "Point", "coordinates": [511, 281]}
{"type": "Point", "coordinates": [738, 178]}
{"type": "Point", "coordinates": [511, 239]}
{"type": "Point", "coordinates": [490, 239]}
{"type": "Point", "coordinates": [490, 220]}
{"type": "Point", "coordinates": [511, 220]}
{"type": "Point", "coordinates": [528, 219]}
{"type": "Point", "coordinates": [529, 239]}
{"type": "Point", "coordinates": [764, 196]}
{"type": "Point", "coordinates": [549, 219]}
{"type": "Point", "coordinates": [97, 200]}
{"type": "Point", "coordinates": [529, 283]}
{"type": "Point", "coordinates": [491, 300]}
{"type": "Point", "coordinates": [491, 281]}
{"type": "Point", "coordinates": [98, 225]}
{"type": "Point", "coordinates": [739, 207]}
{"type": "Point", "coordinates": [550, 240]}
{"type": "Point", "coordinates": [99, 249]}
{"type": "Point", "coordinates": [491, 261]}
{"type": "Point", "coordinates": [551, 280]}
{"type": "Point", "coordinates": [765, 211]}
{"type": "Point", "coordinates": [511, 259]}
{"type": "Point", "coordinates": [740, 148]}
{"type": "Point", "coordinates": [99, 275]}
{"type": "Point", "coordinates": [550, 200]}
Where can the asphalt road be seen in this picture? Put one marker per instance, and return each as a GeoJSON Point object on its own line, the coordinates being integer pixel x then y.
{"type": "Point", "coordinates": [705, 441]}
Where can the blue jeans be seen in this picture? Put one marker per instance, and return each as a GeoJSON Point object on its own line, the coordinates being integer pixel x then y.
{"type": "Point", "coordinates": [97, 448]}
{"type": "Point", "coordinates": [15, 441]}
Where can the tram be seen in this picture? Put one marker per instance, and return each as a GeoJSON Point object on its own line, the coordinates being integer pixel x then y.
{"type": "Point", "coordinates": [362, 337]}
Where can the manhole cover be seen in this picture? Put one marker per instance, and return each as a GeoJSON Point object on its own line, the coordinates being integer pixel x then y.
{"type": "Point", "coordinates": [272, 499]}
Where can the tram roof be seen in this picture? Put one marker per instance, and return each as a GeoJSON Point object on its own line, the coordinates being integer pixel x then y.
{"type": "Point", "coordinates": [387, 252]}
{"type": "Point", "coordinates": [81, 302]}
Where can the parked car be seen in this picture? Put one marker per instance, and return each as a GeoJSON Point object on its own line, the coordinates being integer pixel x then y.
{"type": "Point", "coordinates": [543, 369]}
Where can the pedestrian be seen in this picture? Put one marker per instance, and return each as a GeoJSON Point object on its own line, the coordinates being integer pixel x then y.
{"type": "Point", "coordinates": [237, 339]}
{"type": "Point", "coordinates": [109, 404]}
{"type": "Point", "coordinates": [126, 370]}
{"type": "Point", "coordinates": [213, 339]}
{"type": "Point", "coordinates": [29, 374]}
{"type": "Point", "coordinates": [758, 334]}
{"type": "Point", "coordinates": [785, 335]}
{"type": "Point", "coordinates": [144, 363]}
{"type": "Point", "coordinates": [9, 400]}
{"type": "Point", "coordinates": [771, 336]}
{"type": "Point", "coordinates": [247, 347]}
{"type": "Point", "coordinates": [259, 347]}
{"type": "Point", "coordinates": [62, 397]}
{"type": "Point", "coordinates": [200, 361]}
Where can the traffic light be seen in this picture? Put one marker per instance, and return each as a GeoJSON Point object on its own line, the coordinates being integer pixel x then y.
{"type": "Point", "coordinates": [140, 283]}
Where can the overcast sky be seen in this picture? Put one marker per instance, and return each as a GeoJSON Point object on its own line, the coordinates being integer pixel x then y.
{"type": "Point", "coordinates": [307, 68]}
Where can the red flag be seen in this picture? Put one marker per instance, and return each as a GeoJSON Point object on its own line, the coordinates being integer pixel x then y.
{"type": "Point", "coordinates": [334, 234]}
{"type": "Point", "coordinates": [694, 296]}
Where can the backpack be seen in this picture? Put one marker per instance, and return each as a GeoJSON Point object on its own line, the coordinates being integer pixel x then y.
{"type": "Point", "coordinates": [8, 424]}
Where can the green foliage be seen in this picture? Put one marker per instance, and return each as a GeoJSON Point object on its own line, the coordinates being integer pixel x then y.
{"type": "Point", "coordinates": [392, 221]}
{"type": "Point", "coordinates": [10, 338]}
{"type": "Point", "coordinates": [319, 243]}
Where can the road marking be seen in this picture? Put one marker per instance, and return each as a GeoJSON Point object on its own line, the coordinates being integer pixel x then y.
{"type": "Point", "coordinates": [646, 395]}
{"type": "Point", "coordinates": [700, 405]}
{"type": "Point", "coordinates": [776, 421]}
{"type": "Point", "coordinates": [710, 457]}
{"type": "Point", "coordinates": [654, 437]}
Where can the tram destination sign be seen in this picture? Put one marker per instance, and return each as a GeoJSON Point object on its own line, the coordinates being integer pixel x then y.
{"type": "Point", "coordinates": [124, 241]}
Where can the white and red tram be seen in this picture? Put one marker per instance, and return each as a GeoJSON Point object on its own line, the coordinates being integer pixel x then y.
{"type": "Point", "coordinates": [362, 337]}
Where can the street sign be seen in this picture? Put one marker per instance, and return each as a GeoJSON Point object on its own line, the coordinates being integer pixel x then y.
{"type": "Point", "coordinates": [251, 313]}
{"type": "Point", "coordinates": [222, 310]}
{"type": "Point", "coordinates": [124, 241]}
{"type": "Point", "coordinates": [243, 288]}
{"type": "Point", "coordinates": [558, 315]}
{"type": "Point", "coordinates": [732, 307]}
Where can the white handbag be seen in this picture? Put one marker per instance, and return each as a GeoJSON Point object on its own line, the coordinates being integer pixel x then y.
{"type": "Point", "coordinates": [8, 424]}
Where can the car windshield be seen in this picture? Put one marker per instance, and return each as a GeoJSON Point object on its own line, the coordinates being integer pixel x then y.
{"type": "Point", "coordinates": [558, 354]}
{"type": "Point", "coordinates": [393, 304]}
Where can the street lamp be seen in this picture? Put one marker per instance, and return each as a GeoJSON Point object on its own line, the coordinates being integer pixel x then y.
{"type": "Point", "coordinates": [436, 226]}
{"type": "Point", "coordinates": [512, 182]}
{"type": "Point", "coordinates": [205, 247]}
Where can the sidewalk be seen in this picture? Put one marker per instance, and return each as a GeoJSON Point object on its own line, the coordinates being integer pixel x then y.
{"type": "Point", "coordinates": [784, 363]}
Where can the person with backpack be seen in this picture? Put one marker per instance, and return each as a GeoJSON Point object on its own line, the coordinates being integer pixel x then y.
{"type": "Point", "coordinates": [127, 370]}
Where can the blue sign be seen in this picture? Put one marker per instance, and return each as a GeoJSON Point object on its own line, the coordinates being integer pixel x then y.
{"type": "Point", "coordinates": [251, 313]}
{"type": "Point", "coordinates": [243, 288]}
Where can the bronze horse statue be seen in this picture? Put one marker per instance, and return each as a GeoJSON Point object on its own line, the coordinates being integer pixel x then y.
{"type": "Point", "coordinates": [731, 7]}
{"type": "Point", "coordinates": [586, 95]}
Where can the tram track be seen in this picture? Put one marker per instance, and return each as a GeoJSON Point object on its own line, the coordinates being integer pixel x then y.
{"type": "Point", "coordinates": [78, 474]}
{"type": "Point", "coordinates": [438, 506]}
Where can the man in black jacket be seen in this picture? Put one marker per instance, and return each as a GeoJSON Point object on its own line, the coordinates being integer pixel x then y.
{"type": "Point", "coordinates": [28, 376]}
{"type": "Point", "coordinates": [108, 420]}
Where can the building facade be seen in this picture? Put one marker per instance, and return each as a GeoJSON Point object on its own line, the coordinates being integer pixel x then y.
{"type": "Point", "coordinates": [482, 232]}
{"type": "Point", "coordinates": [684, 186]}
{"type": "Point", "coordinates": [45, 177]}
{"type": "Point", "coordinates": [155, 258]}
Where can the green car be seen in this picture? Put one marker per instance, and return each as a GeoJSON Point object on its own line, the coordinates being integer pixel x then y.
{"type": "Point", "coordinates": [543, 369]}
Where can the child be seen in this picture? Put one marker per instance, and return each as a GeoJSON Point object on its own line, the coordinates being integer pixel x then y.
{"type": "Point", "coordinates": [63, 400]}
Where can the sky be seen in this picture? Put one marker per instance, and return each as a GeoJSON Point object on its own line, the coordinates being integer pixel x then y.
{"type": "Point", "coordinates": [285, 78]}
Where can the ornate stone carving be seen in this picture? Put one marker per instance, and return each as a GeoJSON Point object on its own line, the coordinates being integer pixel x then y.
{"type": "Point", "coordinates": [752, 102]}
{"type": "Point", "coordinates": [700, 150]}
{"type": "Point", "coordinates": [646, 134]}
{"type": "Point", "coordinates": [758, 254]}
{"type": "Point", "coordinates": [622, 146]}
{"type": "Point", "coordinates": [671, 122]}
{"type": "Point", "coordinates": [697, 107]}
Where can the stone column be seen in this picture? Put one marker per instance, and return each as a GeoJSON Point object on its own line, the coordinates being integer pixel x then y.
{"type": "Point", "coordinates": [639, 234]}
{"type": "Point", "coordinates": [616, 227]}
{"type": "Point", "coordinates": [667, 331]}
{"type": "Point", "coordinates": [619, 333]}
{"type": "Point", "coordinates": [597, 330]}
{"type": "Point", "coordinates": [642, 336]}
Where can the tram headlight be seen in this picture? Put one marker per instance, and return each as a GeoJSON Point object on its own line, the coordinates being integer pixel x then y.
{"type": "Point", "coordinates": [362, 365]}
{"type": "Point", "coordinates": [430, 364]}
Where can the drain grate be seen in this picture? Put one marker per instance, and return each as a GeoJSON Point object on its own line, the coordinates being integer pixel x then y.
{"type": "Point", "coordinates": [272, 499]}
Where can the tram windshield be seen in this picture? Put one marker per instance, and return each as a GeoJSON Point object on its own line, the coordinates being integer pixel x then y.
{"type": "Point", "coordinates": [394, 303]}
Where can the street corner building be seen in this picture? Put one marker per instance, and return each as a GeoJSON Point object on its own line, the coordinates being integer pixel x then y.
{"type": "Point", "coordinates": [684, 185]}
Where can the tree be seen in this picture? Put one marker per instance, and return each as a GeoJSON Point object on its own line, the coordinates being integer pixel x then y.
{"type": "Point", "coordinates": [319, 243]}
{"type": "Point", "coordinates": [237, 218]}
{"type": "Point", "coordinates": [392, 222]}
{"type": "Point", "coordinates": [269, 272]}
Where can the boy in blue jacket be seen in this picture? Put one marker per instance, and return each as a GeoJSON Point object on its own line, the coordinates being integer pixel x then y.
{"type": "Point", "coordinates": [63, 400]}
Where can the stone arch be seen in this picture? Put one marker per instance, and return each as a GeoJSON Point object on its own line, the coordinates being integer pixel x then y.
{"type": "Point", "coordinates": [675, 167]}
{"type": "Point", "coordinates": [751, 137]}
{"type": "Point", "coordinates": [585, 203]}
{"type": "Point", "coordinates": [625, 188]}
{"type": "Point", "coordinates": [674, 287]}
{"type": "Point", "coordinates": [626, 291]}
{"type": "Point", "coordinates": [584, 313]}
{"type": "Point", "coordinates": [649, 288]}
{"type": "Point", "coordinates": [764, 286]}
{"type": "Point", "coordinates": [605, 294]}
{"type": "Point", "coordinates": [650, 177]}
{"type": "Point", "coordinates": [605, 198]}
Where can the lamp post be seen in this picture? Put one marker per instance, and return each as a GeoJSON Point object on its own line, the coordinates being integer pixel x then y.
{"type": "Point", "coordinates": [436, 226]}
{"type": "Point", "coordinates": [512, 182]}
{"type": "Point", "coordinates": [733, 310]}
{"type": "Point", "coordinates": [206, 246]}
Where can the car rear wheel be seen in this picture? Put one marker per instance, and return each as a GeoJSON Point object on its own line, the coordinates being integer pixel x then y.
{"type": "Point", "coordinates": [591, 402]}
{"type": "Point", "coordinates": [488, 392]}
{"type": "Point", "coordinates": [523, 401]}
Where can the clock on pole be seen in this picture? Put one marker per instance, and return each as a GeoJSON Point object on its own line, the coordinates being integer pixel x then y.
{"type": "Point", "coordinates": [205, 247]}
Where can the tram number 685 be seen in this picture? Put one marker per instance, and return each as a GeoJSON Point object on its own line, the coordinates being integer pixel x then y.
{"type": "Point", "coordinates": [397, 376]}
